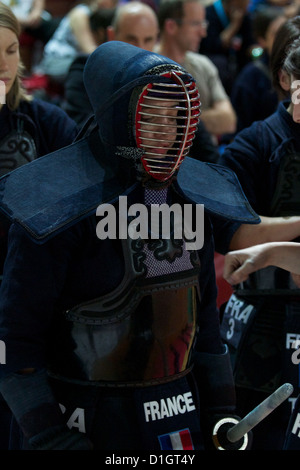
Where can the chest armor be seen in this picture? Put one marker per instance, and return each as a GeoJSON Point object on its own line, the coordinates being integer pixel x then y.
{"type": "Point", "coordinates": [16, 149]}
{"type": "Point", "coordinates": [144, 330]}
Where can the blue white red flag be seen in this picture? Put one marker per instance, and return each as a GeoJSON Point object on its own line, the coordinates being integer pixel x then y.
{"type": "Point", "coordinates": [179, 440]}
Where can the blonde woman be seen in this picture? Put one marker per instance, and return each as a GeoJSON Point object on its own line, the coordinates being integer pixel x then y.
{"type": "Point", "coordinates": [29, 128]}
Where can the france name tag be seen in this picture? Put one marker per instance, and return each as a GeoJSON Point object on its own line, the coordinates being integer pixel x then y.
{"type": "Point", "coordinates": [236, 319]}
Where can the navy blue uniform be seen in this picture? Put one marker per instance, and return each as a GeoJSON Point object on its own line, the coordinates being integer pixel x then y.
{"type": "Point", "coordinates": [46, 128]}
{"type": "Point", "coordinates": [81, 267]}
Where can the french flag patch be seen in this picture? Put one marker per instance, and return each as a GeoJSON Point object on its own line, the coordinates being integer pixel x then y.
{"type": "Point", "coordinates": [178, 440]}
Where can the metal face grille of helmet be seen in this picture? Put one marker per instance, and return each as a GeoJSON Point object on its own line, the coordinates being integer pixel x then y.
{"type": "Point", "coordinates": [166, 120]}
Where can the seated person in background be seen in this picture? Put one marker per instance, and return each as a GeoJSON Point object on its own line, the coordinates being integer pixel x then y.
{"type": "Point", "coordinates": [253, 96]}
{"type": "Point", "coordinates": [229, 38]}
{"type": "Point", "coordinates": [37, 26]}
{"type": "Point", "coordinates": [72, 37]}
{"type": "Point", "coordinates": [135, 23]}
{"type": "Point", "coordinates": [182, 27]}
{"type": "Point", "coordinates": [75, 101]}
{"type": "Point", "coordinates": [291, 8]}
{"type": "Point", "coordinates": [33, 18]}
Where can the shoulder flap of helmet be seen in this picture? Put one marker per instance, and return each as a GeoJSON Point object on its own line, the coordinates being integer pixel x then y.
{"type": "Point", "coordinates": [54, 192]}
{"type": "Point", "coordinates": [217, 187]}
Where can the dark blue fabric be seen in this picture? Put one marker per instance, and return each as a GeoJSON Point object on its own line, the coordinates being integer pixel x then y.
{"type": "Point", "coordinates": [123, 67]}
{"type": "Point", "coordinates": [211, 44]}
{"type": "Point", "coordinates": [52, 193]}
{"type": "Point", "coordinates": [57, 190]}
{"type": "Point", "coordinates": [76, 267]}
{"type": "Point", "coordinates": [292, 440]}
{"type": "Point", "coordinates": [229, 60]}
{"type": "Point", "coordinates": [252, 95]}
{"type": "Point", "coordinates": [69, 269]}
{"type": "Point", "coordinates": [217, 188]}
{"type": "Point", "coordinates": [256, 152]}
{"type": "Point", "coordinates": [50, 127]}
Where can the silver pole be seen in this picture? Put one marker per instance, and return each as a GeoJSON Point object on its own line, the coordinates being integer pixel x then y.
{"type": "Point", "coordinates": [259, 413]}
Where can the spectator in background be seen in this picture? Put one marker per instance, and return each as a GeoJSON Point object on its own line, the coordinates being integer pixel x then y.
{"type": "Point", "coordinates": [229, 40]}
{"type": "Point", "coordinates": [33, 18]}
{"type": "Point", "coordinates": [72, 37]}
{"type": "Point", "coordinates": [37, 25]}
{"type": "Point", "coordinates": [253, 96]}
{"type": "Point", "coordinates": [75, 101]}
{"type": "Point", "coordinates": [135, 23]}
{"type": "Point", "coordinates": [182, 27]}
{"type": "Point", "coordinates": [29, 128]}
{"type": "Point", "coordinates": [291, 8]}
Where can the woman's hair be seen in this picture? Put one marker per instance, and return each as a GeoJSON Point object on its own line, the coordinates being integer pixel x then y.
{"type": "Point", "coordinates": [291, 63]}
{"type": "Point", "coordinates": [286, 35]}
{"type": "Point", "coordinates": [17, 92]}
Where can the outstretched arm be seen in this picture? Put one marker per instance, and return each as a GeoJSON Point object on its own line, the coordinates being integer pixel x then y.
{"type": "Point", "coordinates": [270, 229]}
{"type": "Point", "coordinates": [240, 263]}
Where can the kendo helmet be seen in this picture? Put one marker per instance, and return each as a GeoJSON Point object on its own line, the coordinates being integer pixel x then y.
{"type": "Point", "coordinates": [147, 107]}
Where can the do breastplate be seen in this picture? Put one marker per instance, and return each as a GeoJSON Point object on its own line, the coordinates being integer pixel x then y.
{"type": "Point", "coordinates": [16, 149]}
{"type": "Point", "coordinates": [144, 330]}
{"type": "Point", "coordinates": [285, 202]}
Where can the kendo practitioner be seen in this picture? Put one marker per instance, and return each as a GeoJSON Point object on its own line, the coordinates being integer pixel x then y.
{"type": "Point", "coordinates": [113, 342]}
{"type": "Point", "coordinates": [261, 321]}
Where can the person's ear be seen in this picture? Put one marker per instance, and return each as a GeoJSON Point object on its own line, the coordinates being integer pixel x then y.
{"type": "Point", "coordinates": [170, 25]}
{"type": "Point", "coordinates": [110, 33]}
{"type": "Point", "coordinates": [284, 80]}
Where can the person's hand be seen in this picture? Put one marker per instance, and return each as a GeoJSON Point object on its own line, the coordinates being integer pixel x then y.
{"type": "Point", "coordinates": [34, 19]}
{"type": "Point", "coordinates": [236, 16]}
{"type": "Point", "coordinates": [240, 263]}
